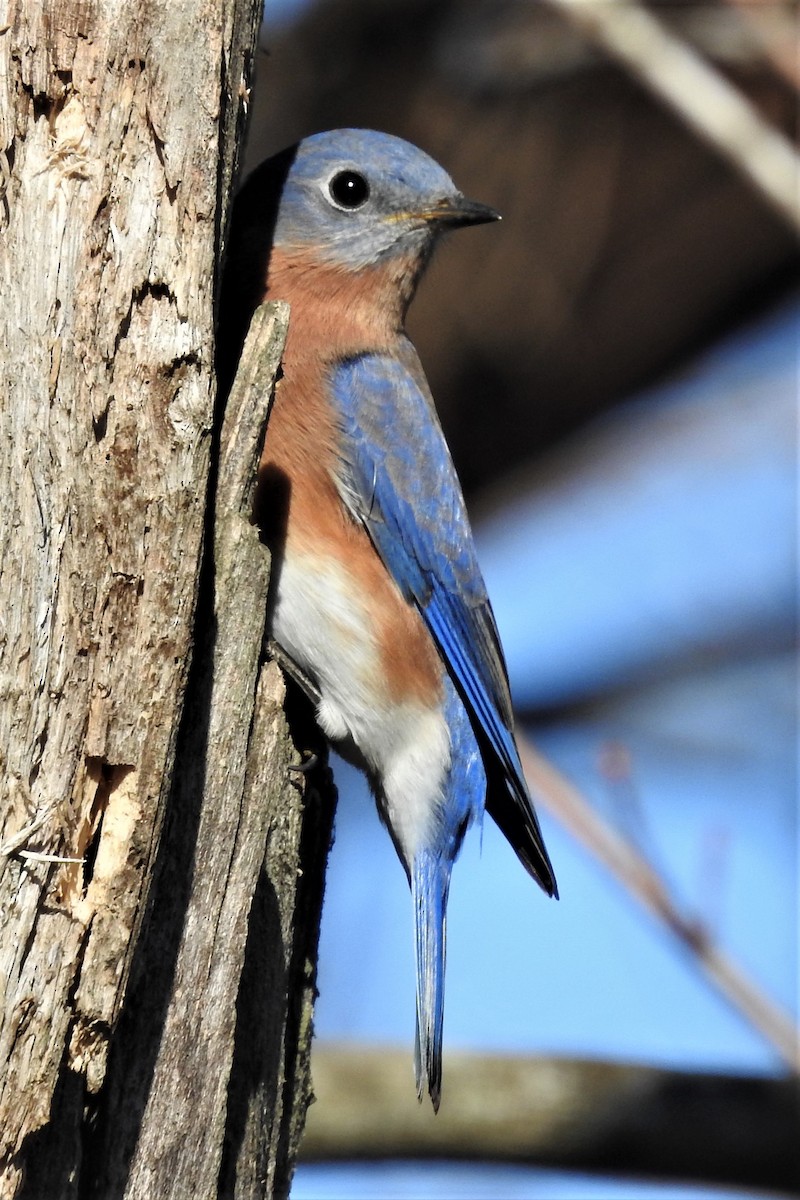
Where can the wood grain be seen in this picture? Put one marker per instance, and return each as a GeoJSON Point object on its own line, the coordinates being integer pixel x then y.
{"type": "Point", "coordinates": [119, 131]}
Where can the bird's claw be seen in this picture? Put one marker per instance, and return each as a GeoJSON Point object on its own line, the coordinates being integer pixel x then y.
{"type": "Point", "coordinates": [308, 764]}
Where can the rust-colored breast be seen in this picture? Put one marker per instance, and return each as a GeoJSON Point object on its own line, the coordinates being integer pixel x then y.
{"type": "Point", "coordinates": [334, 314]}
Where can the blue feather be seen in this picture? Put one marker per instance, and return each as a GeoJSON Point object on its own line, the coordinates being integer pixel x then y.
{"type": "Point", "coordinates": [430, 883]}
{"type": "Point", "coordinates": [396, 477]}
{"type": "Point", "coordinates": [464, 789]}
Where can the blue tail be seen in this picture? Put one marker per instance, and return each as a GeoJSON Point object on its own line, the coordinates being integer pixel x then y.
{"type": "Point", "coordinates": [430, 883]}
{"type": "Point", "coordinates": [461, 803]}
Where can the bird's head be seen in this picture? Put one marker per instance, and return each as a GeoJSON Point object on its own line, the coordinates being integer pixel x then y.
{"type": "Point", "coordinates": [337, 207]}
{"type": "Point", "coordinates": [355, 197]}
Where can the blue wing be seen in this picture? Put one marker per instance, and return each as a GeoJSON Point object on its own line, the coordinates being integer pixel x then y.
{"type": "Point", "coordinates": [396, 477]}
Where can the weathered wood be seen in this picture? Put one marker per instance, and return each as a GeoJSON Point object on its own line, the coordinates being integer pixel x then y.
{"type": "Point", "coordinates": [118, 143]}
{"type": "Point", "coordinates": [221, 984]}
{"type": "Point", "coordinates": [271, 1078]}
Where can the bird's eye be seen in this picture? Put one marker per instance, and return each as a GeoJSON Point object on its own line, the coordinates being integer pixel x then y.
{"type": "Point", "coordinates": [349, 190]}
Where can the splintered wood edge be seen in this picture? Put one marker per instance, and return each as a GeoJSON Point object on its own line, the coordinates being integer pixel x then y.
{"type": "Point", "coordinates": [248, 404]}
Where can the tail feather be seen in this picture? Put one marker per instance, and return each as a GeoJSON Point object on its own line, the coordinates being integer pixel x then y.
{"type": "Point", "coordinates": [430, 883]}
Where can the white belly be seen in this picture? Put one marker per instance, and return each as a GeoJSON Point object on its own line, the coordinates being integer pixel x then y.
{"type": "Point", "coordinates": [324, 625]}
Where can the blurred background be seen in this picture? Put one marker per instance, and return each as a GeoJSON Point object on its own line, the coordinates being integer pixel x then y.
{"type": "Point", "coordinates": [615, 366]}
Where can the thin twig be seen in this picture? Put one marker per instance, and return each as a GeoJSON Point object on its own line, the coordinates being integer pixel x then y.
{"type": "Point", "coordinates": [563, 800]}
{"type": "Point", "coordinates": [36, 856]}
{"type": "Point", "coordinates": [693, 88]}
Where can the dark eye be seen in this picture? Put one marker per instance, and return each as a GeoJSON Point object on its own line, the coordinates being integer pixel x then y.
{"type": "Point", "coordinates": [348, 189]}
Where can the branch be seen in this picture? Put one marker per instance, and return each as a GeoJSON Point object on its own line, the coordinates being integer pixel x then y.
{"type": "Point", "coordinates": [573, 1114]}
{"type": "Point", "coordinates": [563, 800]}
{"type": "Point", "coordinates": [774, 29]}
{"type": "Point", "coordinates": [705, 100]}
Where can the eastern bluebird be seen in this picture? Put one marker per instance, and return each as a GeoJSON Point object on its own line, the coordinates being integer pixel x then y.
{"type": "Point", "coordinates": [377, 597]}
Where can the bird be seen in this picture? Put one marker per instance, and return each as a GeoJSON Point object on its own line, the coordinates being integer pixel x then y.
{"type": "Point", "coordinates": [377, 603]}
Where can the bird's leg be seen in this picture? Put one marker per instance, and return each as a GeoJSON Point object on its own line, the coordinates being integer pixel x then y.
{"type": "Point", "coordinates": [298, 676]}
{"type": "Point", "coordinates": [290, 668]}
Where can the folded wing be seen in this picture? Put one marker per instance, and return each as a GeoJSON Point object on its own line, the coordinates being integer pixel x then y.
{"type": "Point", "coordinates": [397, 478]}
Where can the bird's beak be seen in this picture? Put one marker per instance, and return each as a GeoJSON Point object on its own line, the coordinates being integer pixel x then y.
{"type": "Point", "coordinates": [461, 211]}
{"type": "Point", "coordinates": [454, 211]}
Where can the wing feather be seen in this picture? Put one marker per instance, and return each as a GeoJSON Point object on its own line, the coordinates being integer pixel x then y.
{"type": "Point", "coordinates": [397, 478]}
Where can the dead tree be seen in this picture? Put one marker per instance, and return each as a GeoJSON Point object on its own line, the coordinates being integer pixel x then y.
{"type": "Point", "coordinates": [158, 925]}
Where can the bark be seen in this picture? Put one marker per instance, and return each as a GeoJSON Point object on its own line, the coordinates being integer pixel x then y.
{"type": "Point", "coordinates": [130, 977]}
{"type": "Point", "coordinates": [216, 1104]}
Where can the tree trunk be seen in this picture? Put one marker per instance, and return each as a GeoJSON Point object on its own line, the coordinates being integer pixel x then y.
{"type": "Point", "coordinates": [130, 689]}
